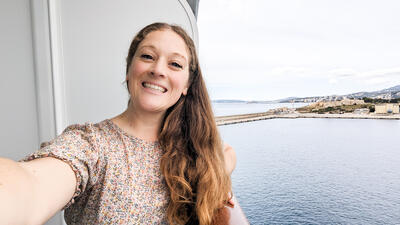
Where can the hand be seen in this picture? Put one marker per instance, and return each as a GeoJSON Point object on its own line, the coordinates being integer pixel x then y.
{"type": "Point", "coordinates": [231, 201]}
{"type": "Point", "coordinates": [230, 158]}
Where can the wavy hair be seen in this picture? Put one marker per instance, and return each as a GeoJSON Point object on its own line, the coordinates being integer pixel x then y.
{"type": "Point", "coordinates": [193, 163]}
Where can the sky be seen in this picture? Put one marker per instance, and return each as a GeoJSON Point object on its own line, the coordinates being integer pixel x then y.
{"type": "Point", "coordinates": [267, 50]}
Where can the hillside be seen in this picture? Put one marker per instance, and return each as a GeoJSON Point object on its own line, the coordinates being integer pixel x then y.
{"type": "Point", "coordinates": [388, 93]}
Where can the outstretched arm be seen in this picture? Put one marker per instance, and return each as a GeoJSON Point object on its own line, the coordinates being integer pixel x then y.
{"type": "Point", "coordinates": [31, 192]}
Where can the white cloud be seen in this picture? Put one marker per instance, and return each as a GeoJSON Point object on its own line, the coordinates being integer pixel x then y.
{"type": "Point", "coordinates": [376, 81]}
{"type": "Point", "coordinates": [343, 73]}
{"type": "Point", "coordinates": [389, 72]}
{"type": "Point", "coordinates": [333, 81]}
{"type": "Point", "coordinates": [314, 44]}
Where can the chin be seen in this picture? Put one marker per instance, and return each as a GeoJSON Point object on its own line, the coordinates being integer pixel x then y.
{"type": "Point", "coordinates": [153, 107]}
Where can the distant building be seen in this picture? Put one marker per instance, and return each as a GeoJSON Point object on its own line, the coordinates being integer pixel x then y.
{"type": "Point", "coordinates": [361, 111]}
{"type": "Point", "coordinates": [387, 108]}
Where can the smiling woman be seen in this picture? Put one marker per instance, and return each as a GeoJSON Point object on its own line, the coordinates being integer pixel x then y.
{"type": "Point", "coordinates": [160, 161]}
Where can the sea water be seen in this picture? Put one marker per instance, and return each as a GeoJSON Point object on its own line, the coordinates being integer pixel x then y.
{"type": "Point", "coordinates": [317, 171]}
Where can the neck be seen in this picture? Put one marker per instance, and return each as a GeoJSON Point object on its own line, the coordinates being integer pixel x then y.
{"type": "Point", "coordinates": [143, 125]}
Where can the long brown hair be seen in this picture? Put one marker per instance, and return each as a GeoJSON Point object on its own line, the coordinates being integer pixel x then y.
{"type": "Point", "coordinates": [193, 163]}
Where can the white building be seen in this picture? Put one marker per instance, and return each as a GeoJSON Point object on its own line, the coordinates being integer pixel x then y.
{"type": "Point", "coordinates": [387, 108]}
{"type": "Point", "coordinates": [361, 111]}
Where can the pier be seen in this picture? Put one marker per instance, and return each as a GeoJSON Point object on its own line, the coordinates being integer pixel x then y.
{"type": "Point", "coordinates": [243, 118]}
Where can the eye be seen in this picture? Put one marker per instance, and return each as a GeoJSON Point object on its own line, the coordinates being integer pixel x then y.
{"type": "Point", "coordinates": [146, 56]}
{"type": "Point", "coordinates": [177, 65]}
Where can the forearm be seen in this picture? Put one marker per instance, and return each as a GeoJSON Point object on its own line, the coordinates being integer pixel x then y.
{"type": "Point", "coordinates": [230, 158]}
{"type": "Point", "coordinates": [16, 198]}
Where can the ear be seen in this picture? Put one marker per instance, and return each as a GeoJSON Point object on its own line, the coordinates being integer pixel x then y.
{"type": "Point", "coordinates": [184, 92]}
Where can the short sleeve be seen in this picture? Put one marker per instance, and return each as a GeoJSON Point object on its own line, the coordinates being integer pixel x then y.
{"type": "Point", "coordinates": [77, 146]}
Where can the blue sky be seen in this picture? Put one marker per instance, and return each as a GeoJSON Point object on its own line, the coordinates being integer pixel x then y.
{"type": "Point", "coordinates": [266, 50]}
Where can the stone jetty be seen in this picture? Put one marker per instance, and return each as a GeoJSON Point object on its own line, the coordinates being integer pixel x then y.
{"type": "Point", "coordinates": [243, 118]}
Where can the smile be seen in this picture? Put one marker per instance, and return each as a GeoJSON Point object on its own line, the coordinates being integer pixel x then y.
{"type": "Point", "coordinates": [154, 87]}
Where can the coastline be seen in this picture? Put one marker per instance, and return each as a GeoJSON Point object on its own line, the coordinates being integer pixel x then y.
{"type": "Point", "coordinates": [244, 118]}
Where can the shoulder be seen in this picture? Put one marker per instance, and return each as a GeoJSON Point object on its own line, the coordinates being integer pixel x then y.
{"type": "Point", "coordinates": [87, 128]}
{"type": "Point", "coordinates": [230, 158]}
{"type": "Point", "coordinates": [89, 132]}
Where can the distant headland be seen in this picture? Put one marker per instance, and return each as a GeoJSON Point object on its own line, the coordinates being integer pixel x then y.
{"type": "Point", "coordinates": [385, 94]}
{"type": "Point", "coordinates": [383, 104]}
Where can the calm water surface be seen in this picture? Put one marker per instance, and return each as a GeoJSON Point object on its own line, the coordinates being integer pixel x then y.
{"type": "Point", "coordinates": [317, 171]}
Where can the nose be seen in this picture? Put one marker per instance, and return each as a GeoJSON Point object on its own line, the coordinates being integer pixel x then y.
{"type": "Point", "coordinates": [159, 68]}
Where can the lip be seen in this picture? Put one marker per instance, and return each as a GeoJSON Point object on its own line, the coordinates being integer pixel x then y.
{"type": "Point", "coordinates": [157, 84]}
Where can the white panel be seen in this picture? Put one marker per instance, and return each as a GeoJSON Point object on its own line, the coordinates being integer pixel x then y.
{"type": "Point", "coordinates": [18, 114]}
{"type": "Point", "coordinates": [43, 70]}
{"type": "Point", "coordinates": [94, 37]}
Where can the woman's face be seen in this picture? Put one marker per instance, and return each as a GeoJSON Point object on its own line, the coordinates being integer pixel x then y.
{"type": "Point", "coordinates": [159, 71]}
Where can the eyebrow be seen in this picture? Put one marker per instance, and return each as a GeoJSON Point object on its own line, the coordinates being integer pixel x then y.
{"type": "Point", "coordinates": [174, 53]}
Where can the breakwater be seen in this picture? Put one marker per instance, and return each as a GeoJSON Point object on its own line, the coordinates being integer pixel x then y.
{"type": "Point", "coordinates": [243, 118]}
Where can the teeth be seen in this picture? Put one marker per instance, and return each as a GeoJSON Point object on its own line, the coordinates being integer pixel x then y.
{"type": "Point", "coordinates": [155, 87]}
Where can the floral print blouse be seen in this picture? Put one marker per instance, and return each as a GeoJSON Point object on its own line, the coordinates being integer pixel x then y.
{"type": "Point", "coordinates": [118, 175]}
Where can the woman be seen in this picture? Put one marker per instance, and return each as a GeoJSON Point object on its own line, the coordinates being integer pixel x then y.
{"type": "Point", "coordinates": [160, 161]}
